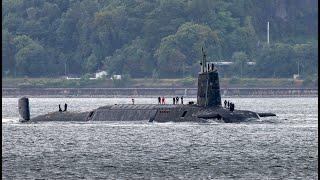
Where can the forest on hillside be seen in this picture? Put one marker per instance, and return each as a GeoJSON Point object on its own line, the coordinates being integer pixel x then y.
{"type": "Point", "coordinates": [158, 38]}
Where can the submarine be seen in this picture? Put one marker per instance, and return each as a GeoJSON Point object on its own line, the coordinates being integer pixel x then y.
{"type": "Point", "coordinates": [208, 107]}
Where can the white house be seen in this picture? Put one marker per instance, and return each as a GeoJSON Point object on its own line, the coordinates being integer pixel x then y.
{"type": "Point", "coordinates": [101, 74]}
{"type": "Point", "coordinates": [296, 76]}
{"type": "Point", "coordinates": [228, 63]}
{"type": "Point", "coordinates": [72, 78]}
{"type": "Point", "coordinates": [116, 77]}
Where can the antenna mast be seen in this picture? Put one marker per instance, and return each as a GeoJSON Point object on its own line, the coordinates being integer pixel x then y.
{"type": "Point", "coordinates": [204, 61]}
{"type": "Point", "coordinates": [268, 33]}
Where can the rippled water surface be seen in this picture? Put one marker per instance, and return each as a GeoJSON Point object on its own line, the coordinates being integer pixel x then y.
{"type": "Point", "coordinates": [282, 147]}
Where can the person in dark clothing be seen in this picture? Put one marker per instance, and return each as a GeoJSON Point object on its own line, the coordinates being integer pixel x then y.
{"type": "Point", "coordinates": [174, 100]}
{"type": "Point", "coordinates": [181, 99]}
{"type": "Point", "coordinates": [177, 100]}
{"type": "Point", "coordinates": [231, 107]}
{"type": "Point", "coordinates": [65, 107]}
{"type": "Point", "coordinates": [132, 101]}
{"type": "Point", "coordinates": [60, 108]}
{"type": "Point", "coordinates": [225, 103]}
{"type": "Point", "coordinates": [228, 103]}
{"type": "Point", "coordinates": [159, 100]}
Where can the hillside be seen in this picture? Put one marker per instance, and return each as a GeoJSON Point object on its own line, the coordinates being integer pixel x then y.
{"type": "Point", "coordinates": [158, 38]}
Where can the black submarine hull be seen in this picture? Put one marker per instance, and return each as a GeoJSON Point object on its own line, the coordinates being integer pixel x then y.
{"type": "Point", "coordinates": [152, 113]}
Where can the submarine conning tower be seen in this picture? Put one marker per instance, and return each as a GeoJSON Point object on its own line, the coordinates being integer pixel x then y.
{"type": "Point", "coordinates": [208, 84]}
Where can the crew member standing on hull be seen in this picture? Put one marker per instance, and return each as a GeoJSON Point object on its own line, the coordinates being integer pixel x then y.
{"type": "Point", "coordinates": [65, 107]}
{"type": "Point", "coordinates": [60, 110]}
{"type": "Point", "coordinates": [162, 100]}
{"type": "Point", "coordinates": [132, 101]}
{"type": "Point", "coordinates": [177, 100]}
{"type": "Point", "coordinates": [228, 104]}
{"type": "Point", "coordinates": [231, 107]}
{"type": "Point", "coordinates": [174, 100]}
{"type": "Point", "coordinates": [181, 99]}
{"type": "Point", "coordinates": [159, 100]}
{"type": "Point", "coordinates": [225, 103]}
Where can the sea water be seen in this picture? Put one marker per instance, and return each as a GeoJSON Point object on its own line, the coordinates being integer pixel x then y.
{"type": "Point", "coordinates": [281, 147]}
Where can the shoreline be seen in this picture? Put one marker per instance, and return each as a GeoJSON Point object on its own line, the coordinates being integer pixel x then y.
{"type": "Point", "coordinates": [157, 96]}
{"type": "Point", "coordinates": [155, 92]}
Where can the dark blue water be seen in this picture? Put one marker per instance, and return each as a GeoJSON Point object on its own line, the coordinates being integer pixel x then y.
{"type": "Point", "coordinates": [282, 147]}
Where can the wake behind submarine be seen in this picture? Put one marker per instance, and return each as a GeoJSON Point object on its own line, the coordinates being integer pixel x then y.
{"type": "Point", "coordinates": [208, 107]}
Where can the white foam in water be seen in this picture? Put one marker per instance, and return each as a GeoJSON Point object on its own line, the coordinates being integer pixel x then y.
{"type": "Point", "coordinates": [10, 120]}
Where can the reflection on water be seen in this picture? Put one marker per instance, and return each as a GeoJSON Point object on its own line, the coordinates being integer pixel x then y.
{"type": "Point", "coordinates": [282, 147]}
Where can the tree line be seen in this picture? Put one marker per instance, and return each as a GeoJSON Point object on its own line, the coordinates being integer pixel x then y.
{"type": "Point", "coordinates": [158, 38]}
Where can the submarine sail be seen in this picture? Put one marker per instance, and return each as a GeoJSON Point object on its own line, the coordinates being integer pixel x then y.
{"type": "Point", "coordinates": [208, 85]}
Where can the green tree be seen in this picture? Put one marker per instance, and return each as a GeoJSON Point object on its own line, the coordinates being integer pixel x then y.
{"type": "Point", "coordinates": [276, 61]}
{"type": "Point", "coordinates": [239, 59]}
{"type": "Point", "coordinates": [182, 51]}
{"type": "Point", "coordinates": [30, 60]}
{"type": "Point", "coordinates": [243, 39]}
{"type": "Point", "coordinates": [306, 56]}
{"type": "Point", "coordinates": [139, 35]}
{"type": "Point", "coordinates": [90, 64]}
{"type": "Point", "coordinates": [8, 62]}
{"type": "Point", "coordinates": [133, 59]}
